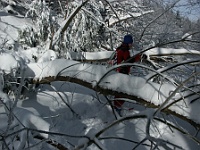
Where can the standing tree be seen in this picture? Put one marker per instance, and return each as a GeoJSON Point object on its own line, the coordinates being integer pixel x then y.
{"type": "Point", "coordinates": [167, 93]}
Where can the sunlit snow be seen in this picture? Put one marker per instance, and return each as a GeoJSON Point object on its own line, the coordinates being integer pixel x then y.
{"type": "Point", "coordinates": [45, 109]}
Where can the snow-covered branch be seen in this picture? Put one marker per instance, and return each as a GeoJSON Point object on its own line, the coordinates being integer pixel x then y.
{"type": "Point", "coordinates": [65, 25]}
{"type": "Point", "coordinates": [88, 75]}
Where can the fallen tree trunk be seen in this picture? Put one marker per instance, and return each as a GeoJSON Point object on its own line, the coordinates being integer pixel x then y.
{"type": "Point", "coordinates": [101, 90]}
{"type": "Point", "coordinates": [138, 89]}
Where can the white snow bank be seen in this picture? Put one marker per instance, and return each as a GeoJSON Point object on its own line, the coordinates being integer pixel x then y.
{"type": "Point", "coordinates": [8, 63]}
{"type": "Point", "coordinates": [107, 54]}
{"type": "Point", "coordinates": [10, 25]}
{"type": "Point", "coordinates": [152, 92]}
{"type": "Point", "coordinates": [36, 54]}
{"type": "Point", "coordinates": [29, 54]}
{"type": "Point", "coordinates": [170, 51]}
{"type": "Point", "coordinates": [13, 61]}
{"type": "Point", "coordinates": [132, 85]}
{"type": "Point", "coordinates": [90, 73]}
{"type": "Point", "coordinates": [23, 118]}
{"type": "Point", "coordinates": [84, 71]}
{"type": "Point", "coordinates": [89, 55]}
{"type": "Point", "coordinates": [47, 55]}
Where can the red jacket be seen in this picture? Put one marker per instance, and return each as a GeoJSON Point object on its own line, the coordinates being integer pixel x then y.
{"type": "Point", "coordinates": [123, 54]}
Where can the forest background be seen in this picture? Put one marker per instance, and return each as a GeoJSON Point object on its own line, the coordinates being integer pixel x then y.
{"type": "Point", "coordinates": [57, 86]}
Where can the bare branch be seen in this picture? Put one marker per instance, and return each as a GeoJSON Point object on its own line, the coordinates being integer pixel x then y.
{"type": "Point", "coordinates": [158, 18]}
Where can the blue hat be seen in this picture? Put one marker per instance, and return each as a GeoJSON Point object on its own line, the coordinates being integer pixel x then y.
{"type": "Point", "coordinates": [128, 39]}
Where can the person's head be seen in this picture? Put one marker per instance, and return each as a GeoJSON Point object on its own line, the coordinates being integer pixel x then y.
{"type": "Point", "coordinates": [128, 39]}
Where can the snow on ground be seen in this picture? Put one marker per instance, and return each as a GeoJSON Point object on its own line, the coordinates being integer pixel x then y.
{"type": "Point", "coordinates": [9, 27]}
{"type": "Point", "coordinates": [89, 107]}
{"type": "Point", "coordinates": [8, 67]}
{"type": "Point", "coordinates": [47, 104]}
{"type": "Point", "coordinates": [154, 93]}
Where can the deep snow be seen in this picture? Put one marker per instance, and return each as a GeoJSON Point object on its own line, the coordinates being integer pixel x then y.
{"type": "Point", "coordinates": [46, 107]}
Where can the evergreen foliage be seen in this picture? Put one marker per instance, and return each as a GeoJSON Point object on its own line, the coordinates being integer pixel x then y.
{"type": "Point", "coordinates": [45, 24]}
{"type": "Point", "coordinates": [101, 25]}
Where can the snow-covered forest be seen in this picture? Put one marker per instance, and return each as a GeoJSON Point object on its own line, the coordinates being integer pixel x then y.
{"type": "Point", "coordinates": [58, 82]}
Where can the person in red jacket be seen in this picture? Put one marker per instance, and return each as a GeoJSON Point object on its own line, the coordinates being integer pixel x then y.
{"type": "Point", "coordinates": [123, 55]}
